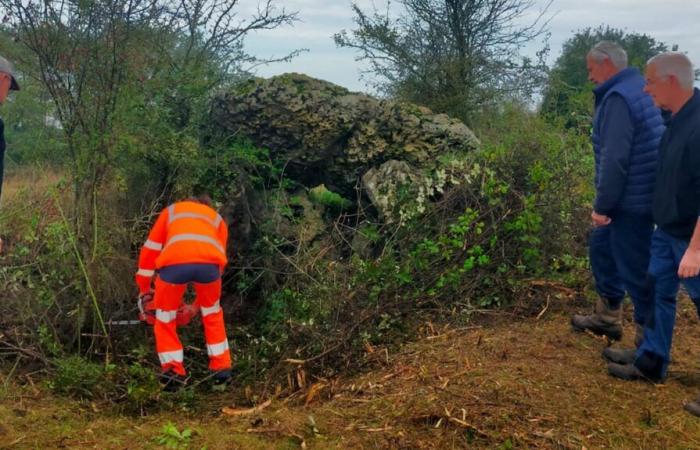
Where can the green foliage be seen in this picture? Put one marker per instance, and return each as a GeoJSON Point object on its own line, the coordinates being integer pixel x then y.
{"type": "Point", "coordinates": [466, 240]}
{"type": "Point", "coordinates": [322, 196]}
{"type": "Point", "coordinates": [49, 298]}
{"type": "Point", "coordinates": [506, 445]}
{"type": "Point", "coordinates": [115, 93]}
{"type": "Point", "coordinates": [172, 438]}
{"type": "Point", "coordinates": [78, 377]}
{"type": "Point", "coordinates": [48, 341]}
{"type": "Point", "coordinates": [511, 212]}
{"type": "Point", "coordinates": [30, 130]}
{"type": "Point", "coordinates": [218, 168]}
{"type": "Point", "coordinates": [142, 387]}
{"type": "Point", "coordinates": [567, 97]}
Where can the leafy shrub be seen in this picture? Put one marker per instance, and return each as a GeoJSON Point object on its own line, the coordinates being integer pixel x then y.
{"type": "Point", "coordinates": [473, 239]}
{"type": "Point", "coordinates": [142, 387]}
{"type": "Point", "coordinates": [172, 438]}
{"type": "Point", "coordinates": [78, 377]}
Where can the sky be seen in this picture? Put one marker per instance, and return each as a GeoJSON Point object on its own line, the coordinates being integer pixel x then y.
{"type": "Point", "coordinates": [670, 21]}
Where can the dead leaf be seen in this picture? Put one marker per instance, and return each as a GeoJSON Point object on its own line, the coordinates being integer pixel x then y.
{"type": "Point", "coordinates": [313, 391]}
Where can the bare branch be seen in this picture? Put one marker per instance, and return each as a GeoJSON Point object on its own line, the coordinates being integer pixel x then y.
{"type": "Point", "coordinates": [452, 55]}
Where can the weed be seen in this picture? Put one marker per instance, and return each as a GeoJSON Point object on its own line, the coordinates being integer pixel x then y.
{"type": "Point", "coordinates": [172, 438]}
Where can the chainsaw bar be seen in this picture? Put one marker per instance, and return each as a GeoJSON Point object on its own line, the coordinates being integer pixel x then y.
{"type": "Point", "coordinates": [124, 322]}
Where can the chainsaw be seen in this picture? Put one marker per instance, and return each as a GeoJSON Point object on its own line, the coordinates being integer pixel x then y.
{"type": "Point", "coordinates": [147, 312]}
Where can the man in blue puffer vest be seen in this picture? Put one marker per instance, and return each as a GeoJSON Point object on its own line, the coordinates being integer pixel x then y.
{"type": "Point", "coordinates": [627, 129]}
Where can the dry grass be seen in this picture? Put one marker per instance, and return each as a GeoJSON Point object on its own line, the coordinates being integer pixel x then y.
{"type": "Point", "coordinates": [32, 179]}
{"type": "Point", "coordinates": [525, 383]}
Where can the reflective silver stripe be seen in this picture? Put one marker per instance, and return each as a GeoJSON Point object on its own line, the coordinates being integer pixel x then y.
{"type": "Point", "coordinates": [167, 357]}
{"type": "Point", "coordinates": [172, 217]}
{"type": "Point", "coordinates": [146, 272]}
{"type": "Point", "coordinates": [217, 349]}
{"type": "Point", "coordinates": [191, 215]}
{"type": "Point", "coordinates": [165, 316]}
{"type": "Point", "coordinates": [153, 245]}
{"type": "Point", "coordinates": [210, 309]}
{"type": "Point", "coordinates": [196, 237]}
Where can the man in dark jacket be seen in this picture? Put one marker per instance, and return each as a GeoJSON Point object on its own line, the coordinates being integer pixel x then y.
{"type": "Point", "coordinates": [627, 128]}
{"type": "Point", "coordinates": [675, 247]}
{"type": "Point", "coordinates": [7, 83]}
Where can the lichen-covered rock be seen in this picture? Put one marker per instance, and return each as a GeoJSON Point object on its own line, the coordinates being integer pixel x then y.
{"type": "Point", "coordinates": [328, 135]}
{"type": "Point", "coordinates": [387, 183]}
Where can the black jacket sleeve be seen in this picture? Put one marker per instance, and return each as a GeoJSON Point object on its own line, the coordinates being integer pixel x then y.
{"type": "Point", "coordinates": [693, 152]}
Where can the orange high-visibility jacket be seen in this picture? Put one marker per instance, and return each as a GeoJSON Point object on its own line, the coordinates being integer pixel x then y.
{"type": "Point", "coordinates": [185, 233]}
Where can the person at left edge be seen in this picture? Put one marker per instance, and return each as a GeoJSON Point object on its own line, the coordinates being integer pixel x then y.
{"type": "Point", "coordinates": [8, 83]}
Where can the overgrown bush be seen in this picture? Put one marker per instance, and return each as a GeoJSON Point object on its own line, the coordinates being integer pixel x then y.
{"type": "Point", "coordinates": [316, 279]}
{"type": "Point", "coordinates": [78, 377]}
{"type": "Point", "coordinates": [513, 212]}
{"type": "Point", "coordinates": [57, 298]}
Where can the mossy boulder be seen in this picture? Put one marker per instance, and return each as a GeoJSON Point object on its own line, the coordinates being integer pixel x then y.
{"type": "Point", "coordinates": [328, 135]}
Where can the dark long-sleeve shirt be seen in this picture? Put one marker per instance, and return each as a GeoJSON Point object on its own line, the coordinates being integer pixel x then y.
{"type": "Point", "coordinates": [676, 203]}
{"type": "Point", "coordinates": [617, 134]}
{"type": "Point", "coordinates": [2, 153]}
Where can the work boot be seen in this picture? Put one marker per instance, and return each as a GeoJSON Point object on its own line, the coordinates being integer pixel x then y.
{"type": "Point", "coordinates": [630, 372]}
{"type": "Point", "coordinates": [171, 382]}
{"type": "Point", "coordinates": [222, 377]}
{"type": "Point", "coordinates": [625, 355]}
{"type": "Point", "coordinates": [603, 322]}
{"type": "Point", "coordinates": [693, 407]}
{"type": "Point", "coordinates": [620, 355]}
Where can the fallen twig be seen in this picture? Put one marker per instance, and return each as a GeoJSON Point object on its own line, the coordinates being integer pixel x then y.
{"type": "Point", "coordinates": [376, 430]}
{"type": "Point", "coordinates": [543, 310]}
{"type": "Point", "coordinates": [243, 412]}
{"type": "Point", "coordinates": [456, 330]}
{"type": "Point", "coordinates": [554, 285]}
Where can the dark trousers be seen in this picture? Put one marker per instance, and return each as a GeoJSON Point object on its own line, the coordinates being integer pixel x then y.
{"type": "Point", "coordinates": [654, 354]}
{"type": "Point", "coordinates": [619, 255]}
{"type": "Point", "coordinates": [2, 165]}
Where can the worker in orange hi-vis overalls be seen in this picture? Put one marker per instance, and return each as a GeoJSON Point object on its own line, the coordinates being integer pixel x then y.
{"type": "Point", "coordinates": [187, 244]}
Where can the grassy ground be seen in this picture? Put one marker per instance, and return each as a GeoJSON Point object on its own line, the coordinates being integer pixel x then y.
{"type": "Point", "coordinates": [28, 178]}
{"type": "Point", "coordinates": [513, 382]}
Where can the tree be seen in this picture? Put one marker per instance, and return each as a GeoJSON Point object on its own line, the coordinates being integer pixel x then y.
{"type": "Point", "coordinates": [567, 94]}
{"type": "Point", "coordinates": [125, 79]}
{"type": "Point", "coordinates": [455, 56]}
{"type": "Point", "coordinates": [102, 60]}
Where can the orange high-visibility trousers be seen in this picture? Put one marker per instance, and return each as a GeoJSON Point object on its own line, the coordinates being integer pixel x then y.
{"type": "Point", "coordinates": [167, 299]}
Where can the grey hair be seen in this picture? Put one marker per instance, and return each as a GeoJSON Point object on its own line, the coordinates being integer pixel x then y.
{"type": "Point", "coordinates": [676, 64]}
{"type": "Point", "coordinates": [608, 49]}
